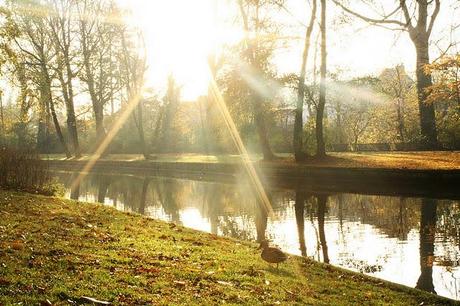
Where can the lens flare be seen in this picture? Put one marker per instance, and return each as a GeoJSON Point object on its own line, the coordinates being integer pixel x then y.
{"type": "Point", "coordinates": [249, 167]}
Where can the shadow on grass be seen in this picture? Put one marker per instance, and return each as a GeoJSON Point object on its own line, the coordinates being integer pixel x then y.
{"type": "Point", "coordinates": [279, 271]}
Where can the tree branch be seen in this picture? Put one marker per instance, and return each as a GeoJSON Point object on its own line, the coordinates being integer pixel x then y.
{"type": "Point", "coordinates": [384, 20]}
{"type": "Point", "coordinates": [403, 5]}
{"type": "Point", "coordinates": [433, 17]}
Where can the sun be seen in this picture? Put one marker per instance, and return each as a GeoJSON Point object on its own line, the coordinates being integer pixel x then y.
{"type": "Point", "coordinates": [179, 36]}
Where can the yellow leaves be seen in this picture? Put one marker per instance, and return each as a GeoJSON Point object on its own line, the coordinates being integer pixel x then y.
{"type": "Point", "coordinates": [446, 75]}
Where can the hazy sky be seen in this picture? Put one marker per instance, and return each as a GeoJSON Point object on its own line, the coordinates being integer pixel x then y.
{"type": "Point", "coordinates": [181, 33]}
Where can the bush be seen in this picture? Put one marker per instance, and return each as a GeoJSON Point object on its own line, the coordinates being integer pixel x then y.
{"type": "Point", "coordinates": [23, 170]}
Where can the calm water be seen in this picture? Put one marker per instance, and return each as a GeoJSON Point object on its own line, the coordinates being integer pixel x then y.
{"type": "Point", "coordinates": [412, 241]}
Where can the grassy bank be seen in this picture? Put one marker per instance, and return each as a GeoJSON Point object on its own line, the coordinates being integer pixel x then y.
{"type": "Point", "coordinates": [426, 160]}
{"type": "Point", "coordinates": [57, 250]}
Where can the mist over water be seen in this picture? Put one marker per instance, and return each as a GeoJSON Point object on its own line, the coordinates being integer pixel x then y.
{"type": "Point", "coordinates": [411, 241]}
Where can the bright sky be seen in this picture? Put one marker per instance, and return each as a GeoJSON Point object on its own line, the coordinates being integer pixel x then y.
{"type": "Point", "coordinates": [181, 33]}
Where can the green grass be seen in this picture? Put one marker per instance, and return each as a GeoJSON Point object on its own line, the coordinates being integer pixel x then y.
{"type": "Point", "coordinates": [58, 250]}
{"type": "Point", "coordinates": [392, 160]}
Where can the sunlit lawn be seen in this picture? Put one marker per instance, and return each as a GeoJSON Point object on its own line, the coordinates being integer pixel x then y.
{"type": "Point", "coordinates": [400, 160]}
{"type": "Point", "coordinates": [57, 251]}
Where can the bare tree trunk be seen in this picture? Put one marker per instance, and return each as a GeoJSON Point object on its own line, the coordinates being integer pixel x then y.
{"type": "Point", "coordinates": [62, 31]}
{"type": "Point", "coordinates": [340, 132]}
{"type": "Point", "coordinates": [424, 81]}
{"type": "Point", "coordinates": [21, 128]}
{"type": "Point", "coordinates": [98, 107]}
{"type": "Point", "coordinates": [255, 98]}
{"type": "Point", "coordinates": [46, 88]}
{"type": "Point", "coordinates": [259, 120]}
{"type": "Point", "coordinates": [71, 118]}
{"type": "Point", "coordinates": [57, 127]}
{"type": "Point", "coordinates": [42, 127]}
{"type": "Point", "coordinates": [400, 116]}
{"type": "Point", "coordinates": [140, 128]}
{"type": "Point", "coordinates": [320, 145]}
{"type": "Point", "coordinates": [298, 123]}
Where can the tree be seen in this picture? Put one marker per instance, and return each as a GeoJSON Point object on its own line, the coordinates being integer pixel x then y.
{"type": "Point", "coordinates": [358, 118]}
{"type": "Point", "coordinates": [445, 95]}
{"type": "Point", "coordinates": [256, 54]}
{"type": "Point", "coordinates": [168, 113]}
{"type": "Point", "coordinates": [447, 80]}
{"type": "Point", "coordinates": [320, 144]}
{"type": "Point", "coordinates": [397, 85]}
{"type": "Point", "coordinates": [35, 43]}
{"type": "Point", "coordinates": [298, 123]}
{"type": "Point", "coordinates": [62, 29]}
{"type": "Point", "coordinates": [419, 29]}
{"type": "Point", "coordinates": [133, 68]}
{"type": "Point", "coordinates": [98, 38]}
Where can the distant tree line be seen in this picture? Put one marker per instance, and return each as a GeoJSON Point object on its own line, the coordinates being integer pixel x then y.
{"type": "Point", "coordinates": [76, 75]}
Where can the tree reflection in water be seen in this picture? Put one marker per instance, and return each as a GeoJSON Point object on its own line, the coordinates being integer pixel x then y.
{"type": "Point", "coordinates": [322, 202]}
{"type": "Point", "coordinates": [143, 201]}
{"type": "Point", "coordinates": [299, 206]}
{"type": "Point", "coordinates": [104, 182]}
{"type": "Point", "coordinates": [75, 191]}
{"type": "Point", "coordinates": [427, 237]}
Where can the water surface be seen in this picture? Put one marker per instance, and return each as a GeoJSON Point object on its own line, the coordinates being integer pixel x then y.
{"type": "Point", "coordinates": [411, 241]}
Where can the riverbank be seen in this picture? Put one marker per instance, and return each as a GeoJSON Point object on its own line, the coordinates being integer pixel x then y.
{"type": "Point", "coordinates": [416, 160]}
{"type": "Point", "coordinates": [59, 250]}
{"type": "Point", "coordinates": [416, 174]}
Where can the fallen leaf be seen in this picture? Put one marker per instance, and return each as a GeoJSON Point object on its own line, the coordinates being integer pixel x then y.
{"type": "Point", "coordinates": [4, 282]}
{"type": "Point", "coordinates": [17, 245]}
{"type": "Point", "coordinates": [94, 301]}
{"type": "Point", "coordinates": [179, 283]}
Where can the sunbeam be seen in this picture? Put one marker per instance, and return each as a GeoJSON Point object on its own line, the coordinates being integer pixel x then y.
{"type": "Point", "coordinates": [126, 112]}
{"type": "Point", "coordinates": [230, 124]}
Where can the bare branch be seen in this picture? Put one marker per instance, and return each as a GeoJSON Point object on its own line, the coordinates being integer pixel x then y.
{"type": "Point", "coordinates": [407, 16]}
{"type": "Point", "coordinates": [384, 20]}
{"type": "Point", "coordinates": [433, 17]}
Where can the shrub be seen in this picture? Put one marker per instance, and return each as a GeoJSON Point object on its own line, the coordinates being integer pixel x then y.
{"type": "Point", "coordinates": [23, 170]}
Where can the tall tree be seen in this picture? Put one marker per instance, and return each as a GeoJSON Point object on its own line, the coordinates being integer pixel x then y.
{"type": "Point", "coordinates": [419, 26]}
{"type": "Point", "coordinates": [63, 33]}
{"type": "Point", "coordinates": [256, 57]}
{"type": "Point", "coordinates": [298, 123]}
{"type": "Point", "coordinates": [35, 42]}
{"type": "Point", "coordinates": [168, 113]}
{"type": "Point", "coordinates": [320, 143]}
{"type": "Point", "coordinates": [397, 85]}
{"type": "Point", "coordinates": [97, 38]}
{"type": "Point", "coordinates": [134, 66]}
